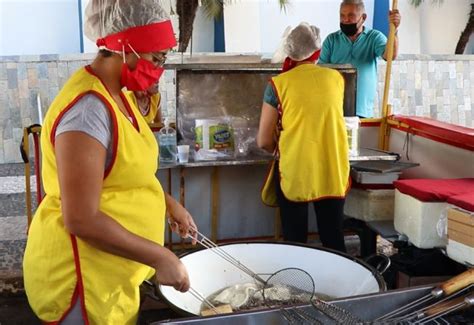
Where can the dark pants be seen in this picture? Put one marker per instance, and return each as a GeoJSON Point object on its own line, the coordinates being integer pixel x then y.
{"type": "Point", "coordinates": [329, 218]}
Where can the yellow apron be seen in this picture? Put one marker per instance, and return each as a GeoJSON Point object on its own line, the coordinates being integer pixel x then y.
{"type": "Point", "coordinates": [60, 268]}
{"type": "Point", "coordinates": [313, 147]}
{"type": "Point", "coordinates": [154, 105]}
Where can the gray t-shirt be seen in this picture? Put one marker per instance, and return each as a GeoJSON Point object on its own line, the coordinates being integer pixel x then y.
{"type": "Point", "coordinates": [90, 115]}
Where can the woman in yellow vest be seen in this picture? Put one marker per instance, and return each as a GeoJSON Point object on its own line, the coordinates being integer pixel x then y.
{"type": "Point", "coordinates": [148, 102]}
{"type": "Point", "coordinates": [99, 232]}
{"type": "Point", "coordinates": [302, 123]}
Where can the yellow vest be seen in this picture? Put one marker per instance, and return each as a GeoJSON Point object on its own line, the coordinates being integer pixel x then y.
{"type": "Point", "coordinates": [154, 105]}
{"type": "Point", "coordinates": [59, 267]}
{"type": "Point", "coordinates": [313, 147]}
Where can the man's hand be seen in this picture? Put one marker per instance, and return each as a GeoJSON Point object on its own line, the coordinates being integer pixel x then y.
{"type": "Point", "coordinates": [394, 18]}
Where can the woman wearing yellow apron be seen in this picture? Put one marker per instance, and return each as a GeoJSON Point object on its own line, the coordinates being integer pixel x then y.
{"type": "Point", "coordinates": [148, 102]}
{"type": "Point", "coordinates": [99, 232]}
{"type": "Point", "coordinates": [302, 123]}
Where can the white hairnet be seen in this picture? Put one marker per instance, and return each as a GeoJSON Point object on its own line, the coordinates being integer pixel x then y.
{"type": "Point", "coordinates": [280, 54]}
{"type": "Point", "coordinates": [105, 17]}
{"type": "Point", "coordinates": [302, 42]}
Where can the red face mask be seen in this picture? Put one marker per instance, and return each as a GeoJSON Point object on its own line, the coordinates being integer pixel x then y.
{"type": "Point", "coordinates": [142, 77]}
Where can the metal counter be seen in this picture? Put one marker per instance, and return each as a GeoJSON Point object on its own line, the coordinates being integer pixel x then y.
{"type": "Point", "coordinates": [365, 307]}
{"type": "Point", "coordinates": [365, 154]}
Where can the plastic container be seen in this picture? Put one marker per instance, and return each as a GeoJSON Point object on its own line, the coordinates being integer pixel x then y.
{"type": "Point", "coordinates": [370, 204]}
{"type": "Point", "coordinates": [352, 126]}
{"type": "Point", "coordinates": [167, 143]}
{"type": "Point", "coordinates": [214, 139]}
{"type": "Point", "coordinates": [363, 177]}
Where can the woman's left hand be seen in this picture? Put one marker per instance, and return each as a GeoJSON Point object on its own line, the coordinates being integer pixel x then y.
{"type": "Point", "coordinates": [180, 219]}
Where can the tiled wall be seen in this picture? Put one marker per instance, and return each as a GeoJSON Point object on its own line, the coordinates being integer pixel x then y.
{"type": "Point", "coordinates": [439, 86]}
{"type": "Point", "coordinates": [436, 86]}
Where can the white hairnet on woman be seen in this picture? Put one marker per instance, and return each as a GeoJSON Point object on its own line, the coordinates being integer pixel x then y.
{"type": "Point", "coordinates": [99, 231]}
{"type": "Point", "coordinates": [301, 43]}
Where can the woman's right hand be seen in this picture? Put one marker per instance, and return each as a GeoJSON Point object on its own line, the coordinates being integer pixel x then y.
{"type": "Point", "coordinates": [170, 271]}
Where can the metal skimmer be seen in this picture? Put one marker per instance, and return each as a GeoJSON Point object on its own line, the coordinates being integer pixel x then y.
{"type": "Point", "coordinates": [297, 283]}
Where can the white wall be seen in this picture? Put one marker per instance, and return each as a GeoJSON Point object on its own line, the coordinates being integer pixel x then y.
{"type": "Point", "coordinates": [441, 25]}
{"type": "Point", "coordinates": [39, 27]}
{"type": "Point", "coordinates": [242, 26]}
{"type": "Point", "coordinates": [257, 26]}
{"type": "Point", "coordinates": [409, 32]}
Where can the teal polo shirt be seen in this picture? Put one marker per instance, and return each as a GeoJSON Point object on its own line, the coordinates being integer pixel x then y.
{"type": "Point", "coordinates": [362, 54]}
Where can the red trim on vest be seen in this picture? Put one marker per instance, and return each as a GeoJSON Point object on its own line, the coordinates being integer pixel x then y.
{"type": "Point", "coordinates": [74, 298]}
{"type": "Point", "coordinates": [148, 38]}
{"type": "Point", "coordinates": [80, 285]}
{"type": "Point", "coordinates": [458, 136]}
{"type": "Point", "coordinates": [78, 290]}
{"type": "Point", "coordinates": [60, 116]}
{"type": "Point", "coordinates": [114, 122]}
{"type": "Point", "coordinates": [130, 111]}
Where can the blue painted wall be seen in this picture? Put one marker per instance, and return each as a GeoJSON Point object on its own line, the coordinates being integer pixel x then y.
{"type": "Point", "coordinates": [381, 8]}
{"type": "Point", "coordinates": [219, 34]}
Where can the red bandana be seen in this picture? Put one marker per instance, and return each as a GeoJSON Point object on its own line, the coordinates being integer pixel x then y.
{"type": "Point", "coordinates": [290, 64]}
{"type": "Point", "coordinates": [144, 39]}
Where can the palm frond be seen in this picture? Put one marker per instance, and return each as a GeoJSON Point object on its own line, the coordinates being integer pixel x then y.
{"type": "Point", "coordinates": [417, 3]}
{"type": "Point", "coordinates": [212, 8]}
{"type": "Point", "coordinates": [283, 5]}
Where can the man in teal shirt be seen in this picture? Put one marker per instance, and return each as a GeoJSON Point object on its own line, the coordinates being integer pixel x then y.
{"type": "Point", "coordinates": [361, 47]}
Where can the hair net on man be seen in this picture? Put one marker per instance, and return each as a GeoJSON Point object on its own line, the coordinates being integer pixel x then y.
{"type": "Point", "coordinates": [126, 25]}
{"type": "Point", "coordinates": [302, 42]}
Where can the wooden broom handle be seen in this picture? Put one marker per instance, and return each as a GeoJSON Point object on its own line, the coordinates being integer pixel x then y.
{"type": "Point", "coordinates": [385, 110]}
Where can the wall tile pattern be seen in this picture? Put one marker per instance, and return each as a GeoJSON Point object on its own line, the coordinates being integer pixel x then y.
{"type": "Point", "coordinates": [441, 87]}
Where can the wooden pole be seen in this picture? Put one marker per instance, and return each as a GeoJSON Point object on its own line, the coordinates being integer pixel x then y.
{"type": "Point", "coordinates": [384, 129]}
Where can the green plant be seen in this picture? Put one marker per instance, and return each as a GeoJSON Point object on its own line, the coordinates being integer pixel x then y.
{"type": "Point", "coordinates": [417, 3]}
{"type": "Point", "coordinates": [186, 10]}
